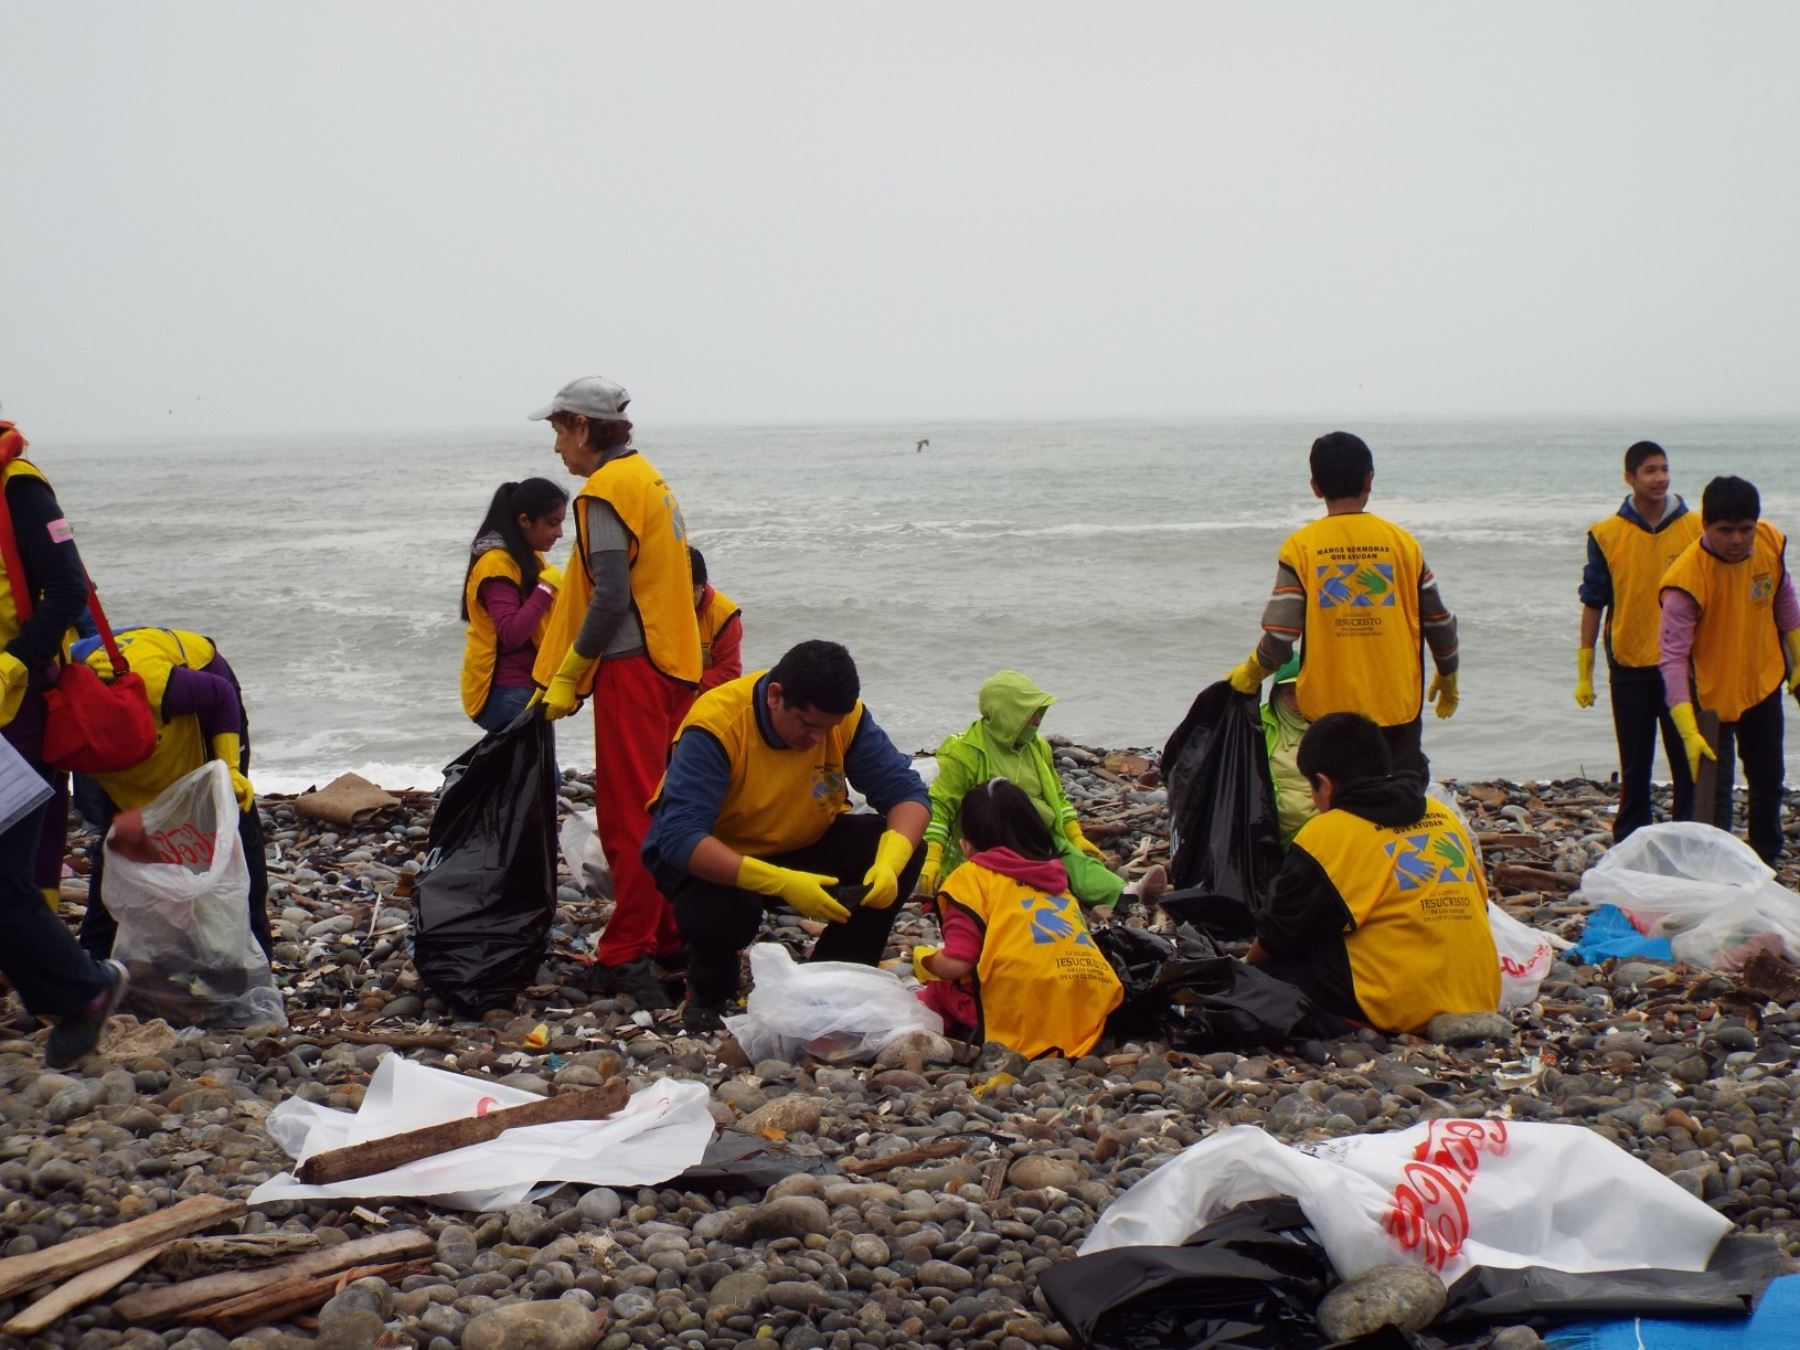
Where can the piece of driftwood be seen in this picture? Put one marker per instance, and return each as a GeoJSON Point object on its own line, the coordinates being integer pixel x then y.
{"type": "Point", "coordinates": [398, 1040]}
{"type": "Point", "coordinates": [193, 1215]}
{"type": "Point", "coordinates": [281, 1299]}
{"type": "Point", "coordinates": [396, 1150]}
{"type": "Point", "coordinates": [1517, 877]}
{"type": "Point", "coordinates": [1706, 782]}
{"type": "Point", "coordinates": [75, 1293]}
{"type": "Point", "coordinates": [170, 1302]}
{"type": "Point", "coordinates": [937, 1148]}
{"type": "Point", "coordinates": [193, 1256]}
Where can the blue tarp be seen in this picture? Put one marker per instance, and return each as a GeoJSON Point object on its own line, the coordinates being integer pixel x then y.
{"type": "Point", "coordinates": [1609, 933]}
{"type": "Point", "coordinates": [1775, 1325]}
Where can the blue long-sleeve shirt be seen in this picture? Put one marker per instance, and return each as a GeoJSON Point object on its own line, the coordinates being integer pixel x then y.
{"type": "Point", "coordinates": [1596, 589]}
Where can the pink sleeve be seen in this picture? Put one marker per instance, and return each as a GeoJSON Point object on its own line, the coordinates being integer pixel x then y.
{"type": "Point", "coordinates": [514, 621]}
{"type": "Point", "coordinates": [1680, 614]}
{"type": "Point", "coordinates": [1787, 606]}
{"type": "Point", "coordinates": [962, 935]}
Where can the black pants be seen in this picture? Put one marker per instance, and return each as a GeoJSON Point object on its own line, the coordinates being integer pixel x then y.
{"type": "Point", "coordinates": [1406, 750]}
{"type": "Point", "coordinates": [1755, 738]}
{"type": "Point", "coordinates": [54, 976]}
{"type": "Point", "coordinates": [1638, 710]}
{"type": "Point", "coordinates": [717, 922]}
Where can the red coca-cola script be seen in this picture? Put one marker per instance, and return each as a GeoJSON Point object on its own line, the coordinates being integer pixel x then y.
{"type": "Point", "coordinates": [1429, 1215]}
{"type": "Point", "coordinates": [185, 844]}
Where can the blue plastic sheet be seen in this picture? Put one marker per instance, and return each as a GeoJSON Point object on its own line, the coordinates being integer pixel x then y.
{"type": "Point", "coordinates": [1775, 1325]}
{"type": "Point", "coordinates": [1610, 934]}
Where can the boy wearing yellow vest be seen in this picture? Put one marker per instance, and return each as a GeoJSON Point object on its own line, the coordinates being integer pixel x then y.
{"type": "Point", "coordinates": [721, 628]}
{"type": "Point", "coordinates": [1628, 553]}
{"type": "Point", "coordinates": [756, 808]}
{"type": "Point", "coordinates": [1354, 591]}
{"type": "Point", "coordinates": [622, 629]}
{"type": "Point", "coordinates": [1380, 911]}
{"type": "Point", "coordinates": [1729, 642]}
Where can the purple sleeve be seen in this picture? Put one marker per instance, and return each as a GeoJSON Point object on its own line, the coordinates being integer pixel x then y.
{"type": "Point", "coordinates": [202, 694]}
{"type": "Point", "coordinates": [962, 934]}
{"type": "Point", "coordinates": [1680, 614]}
{"type": "Point", "coordinates": [515, 621]}
{"type": "Point", "coordinates": [1787, 605]}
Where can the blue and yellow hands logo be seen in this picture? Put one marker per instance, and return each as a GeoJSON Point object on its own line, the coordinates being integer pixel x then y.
{"type": "Point", "coordinates": [1051, 923]}
{"type": "Point", "coordinates": [1362, 585]}
{"type": "Point", "coordinates": [829, 788]}
{"type": "Point", "coordinates": [1426, 859]}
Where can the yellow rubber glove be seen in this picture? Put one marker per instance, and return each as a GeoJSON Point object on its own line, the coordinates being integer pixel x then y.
{"type": "Point", "coordinates": [802, 891]}
{"type": "Point", "coordinates": [1443, 694]}
{"type": "Point", "coordinates": [1682, 715]}
{"type": "Point", "coordinates": [892, 854]}
{"type": "Point", "coordinates": [228, 749]}
{"type": "Point", "coordinates": [13, 679]}
{"type": "Point", "coordinates": [560, 699]}
{"type": "Point", "coordinates": [931, 875]}
{"type": "Point", "coordinates": [1072, 832]}
{"type": "Point", "coordinates": [922, 972]}
{"type": "Point", "coordinates": [551, 576]}
{"type": "Point", "coordinates": [1248, 678]}
{"type": "Point", "coordinates": [1790, 640]}
{"type": "Point", "coordinates": [1584, 678]}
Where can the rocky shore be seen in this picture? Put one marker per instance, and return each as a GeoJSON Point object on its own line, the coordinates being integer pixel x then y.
{"type": "Point", "coordinates": [1688, 1070]}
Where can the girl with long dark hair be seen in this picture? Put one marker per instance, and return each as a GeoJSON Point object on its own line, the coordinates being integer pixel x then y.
{"type": "Point", "coordinates": [506, 596]}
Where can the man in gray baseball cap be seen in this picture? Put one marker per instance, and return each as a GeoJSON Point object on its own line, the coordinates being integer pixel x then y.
{"type": "Point", "coordinates": [592, 396]}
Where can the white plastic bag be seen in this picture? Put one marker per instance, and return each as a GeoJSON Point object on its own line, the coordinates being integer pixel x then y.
{"type": "Point", "coordinates": [832, 1010]}
{"type": "Point", "coordinates": [1448, 1195]}
{"type": "Point", "coordinates": [585, 858]}
{"type": "Point", "coordinates": [1526, 955]}
{"type": "Point", "coordinates": [663, 1131]}
{"type": "Point", "coordinates": [184, 922]}
{"type": "Point", "coordinates": [1704, 889]}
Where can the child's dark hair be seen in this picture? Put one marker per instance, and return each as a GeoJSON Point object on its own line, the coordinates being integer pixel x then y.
{"type": "Point", "coordinates": [1642, 451]}
{"type": "Point", "coordinates": [998, 814]}
{"type": "Point", "coordinates": [697, 565]}
{"type": "Point", "coordinates": [1346, 748]}
{"type": "Point", "coordinates": [534, 498]}
{"type": "Point", "coordinates": [1729, 499]}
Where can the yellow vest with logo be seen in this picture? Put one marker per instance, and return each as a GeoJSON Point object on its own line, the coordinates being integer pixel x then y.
{"type": "Point", "coordinates": [1041, 983]}
{"type": "Point", "coordinates": [662, 587]}
{"type": "Point", "coordinates": [1737, 657]}
{"type": "Point", "coordinates": [1637, 558]}
{"type": "Point", "coordinates": [1421, 943]}
{"type": "Point", "coordinates": [1360, 643]}
{"type": "Point", "coordinates": [9, 608]}
{"type": "Point", "coordinates": [779, 800]}
{"type": "Point", "coordinates": [155, 654]}
{"type": "Point", "coordinates": [721, 611]}
{"type": "Point", "coordinates": [481, 647]}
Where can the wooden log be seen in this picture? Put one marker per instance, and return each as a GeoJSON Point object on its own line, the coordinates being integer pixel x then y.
{"type": "Point", "coordinates": [192, 1215]}
{"type": "Point", "coordinates": [169, 1302]}
{"type": "Point", "coordinates": [282, 1299]}
{"type": "Point", "coordinates": [396, 1150]}
{"type": "Point", "coordinates": [192, 1256]}
{"type": "Point", "coordinates": [1518, 877]}
{"type": "Point", "coordinates": [1706, 782]}
{"type": "Point", "coordinates": [937, 1148]}
{"type": "Point", "coordinates": [398, 1040]}
{"type": "Point", "coordinates": [82, 1290]}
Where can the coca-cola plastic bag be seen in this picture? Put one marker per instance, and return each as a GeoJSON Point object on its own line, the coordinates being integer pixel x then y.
{"type": "Point", "coordinates": [1526, 955]}
{"type": "Point", "coordinates": [831, 1010]}
{"type": "Point", "coordinates": [1448, 1195]}
{"type": "Point", "coordinates": [184, 921]}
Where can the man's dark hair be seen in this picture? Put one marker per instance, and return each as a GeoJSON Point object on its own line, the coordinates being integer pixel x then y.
{"type": "Point", "coordinates": [1643, 450]}
{"type": "Point", "coordinates": [697, 565]}
{"type": "Point", "coordinates": [817, 676]}
{"type": "Point", "coordinates": [1341, 465]}
{"type": "Point", "coordinates": [998, 814]}
{"type": "Point", "coordinates": [1729, 499]}
{"type": "Point", "coordinates": [1346, 748]}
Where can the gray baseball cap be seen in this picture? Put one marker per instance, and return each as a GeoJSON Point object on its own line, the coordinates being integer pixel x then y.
{"type": "Point", "coordinates": [592, 396]}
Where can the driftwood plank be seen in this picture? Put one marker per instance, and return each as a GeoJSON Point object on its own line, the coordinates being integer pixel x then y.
{"type": "Point", "coordinates": [83, 1289]}
{"type": "Point", "coordinates": [70, 1258]}
{"type": "Point", "coordinates": [396, 1150]}
{"type": "Point", "coordinates": [275, 1302]}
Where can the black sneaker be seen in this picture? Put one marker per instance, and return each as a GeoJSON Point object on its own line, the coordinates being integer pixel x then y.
{"type": "Point", "coordinates": [636, 980]}
{"type": "Point", "coordinates": [702, 1019]}
{"type": "Point", "coordinates": [73, 1038]}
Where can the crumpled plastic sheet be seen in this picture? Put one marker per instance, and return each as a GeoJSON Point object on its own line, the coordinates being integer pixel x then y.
{"type": "Point", "coordinates": [663, 1130]}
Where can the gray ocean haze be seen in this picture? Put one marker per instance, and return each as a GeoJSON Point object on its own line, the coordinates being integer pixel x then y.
{"type": "Point", "coordinates": [1121, 565]}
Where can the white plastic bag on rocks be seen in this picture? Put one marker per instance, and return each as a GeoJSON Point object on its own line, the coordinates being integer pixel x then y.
{"type": "Point", "coordinates": [1526, 955]}
{"type": "Point", "coordinates": [184, 922]}
{"type": "Point", "coordinates": [832, 1010]}
{"type": "Point", "coordinates": [1702, 888]}
{"type": "Point", "coordinates": [1447, 1195]}
{"type": "Point", "coordinates": [585, 858]}
{"type": "Point", "coordinates": [663, 1131]}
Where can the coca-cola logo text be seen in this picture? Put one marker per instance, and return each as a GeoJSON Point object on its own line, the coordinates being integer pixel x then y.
{"type": "Point", "coordinates": [185, 844]}
{"type": "Point", "coordinates": [1429, 1215]}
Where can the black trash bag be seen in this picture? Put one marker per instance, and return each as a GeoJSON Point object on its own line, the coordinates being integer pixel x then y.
{"type": "Point", "coordinates": [484, 900]}
{"type": "Point", "coordinates": [1224, 842]}
{"type": "Point", "coordinates": [1221, 1003]}
{"type": "Point", "coordinates": [747, 1162]}
{"type": "Point", "coordinates": [1138, 958]}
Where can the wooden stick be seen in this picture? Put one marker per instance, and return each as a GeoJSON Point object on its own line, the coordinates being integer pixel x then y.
{"type": "Point", "coordinates": [1706, 782]}
{"type": "Point", "coordinates": [188, 1257]}
{"type": "Point", "coordinates": [83, 1253]}
{"type": "Point", "coordinates": [274, 1302]}
{"type": "Point", "coordinates": [396, 1150]}
{"type": "Point", "coordinates": [83, 1289]}
{"type": "Point", "coordinates": [1516, 877]}
{"type": "Point", "coordinates": [937, 1148]}
{"type": "Point", "coordinates": [399, 1040]}
{"type": "Point", "coordinates": [157, 1307]}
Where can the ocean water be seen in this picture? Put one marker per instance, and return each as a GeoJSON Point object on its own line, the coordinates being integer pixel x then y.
{"type": "Point", "coordinates": [1122, 565]}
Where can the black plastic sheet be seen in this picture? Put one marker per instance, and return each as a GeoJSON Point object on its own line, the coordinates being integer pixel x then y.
{"type": "Point", "coordinates": [484, 900]}
{"type": "Point", "coordinates": [1224, 841]}
{"type": "Point", "coordinates": [1185, 990]}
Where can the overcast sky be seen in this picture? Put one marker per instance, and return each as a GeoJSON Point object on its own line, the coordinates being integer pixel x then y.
{"type": "Point", "coordinates": [217, 218]}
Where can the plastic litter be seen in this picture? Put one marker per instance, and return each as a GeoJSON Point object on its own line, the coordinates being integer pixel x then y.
{"type": "Point", "coordinates": [1775, 1325]}
{"type": "Point", "coordinates": [184, 922]}
{"type": "Point", "coordinates": [584, 857]}
{"type": "Point", "coordinates": [1609, 933]}
{"type": "Point", "coordinates": [1526, 955]}
{"type": "Point", "coordinates": [1704, 889]}
{"type": "Point", "coordinates": [486, 894]}
{"type": "Point", "coordinates": [1448, 1195]}
{"type": "Point", "coordinates": [662, 1132]}
{"type": "Point", "coordinates": [832, 1010]}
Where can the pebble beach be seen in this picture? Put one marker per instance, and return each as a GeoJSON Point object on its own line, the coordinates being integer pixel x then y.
{"type": "Point", "coordinates": [999, 1168]}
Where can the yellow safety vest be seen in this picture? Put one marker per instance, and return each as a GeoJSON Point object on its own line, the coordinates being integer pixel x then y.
{"type": "Point", "coordinates": [662, 586]}
{"type": "Point", "coordinates": [1737, 656]}
{"type": "Point", "coordinates": [779, 799]}
{"type": "Point", "coordinates": [1637, 558]}
{"type": "Point", "coordinates": [1420, 943]}
{"type": "Point", "coordinates": [1360, 644]}
{"type": "Point", "coordinates": [155, 654]}
{"type": "Point", "coordinates": [720, 611]}
{"type": "Point", "coordinates": [481, 647]}
{"type": "Point", "coordinates": [1040, 982]}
